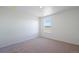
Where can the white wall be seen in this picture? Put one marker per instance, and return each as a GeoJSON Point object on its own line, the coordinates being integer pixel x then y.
{"type": "Point", "coordinates": [65, 27]}
{"type": "Point", "coordinates": [16, 27]}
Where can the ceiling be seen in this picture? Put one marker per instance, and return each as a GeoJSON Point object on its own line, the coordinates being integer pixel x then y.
{"type": "Point", "coordinates": [34, 10]}
{"type": "Point", "coordinates": [47, 10]}
{"type": "Point", "coordinates": [21, 10]}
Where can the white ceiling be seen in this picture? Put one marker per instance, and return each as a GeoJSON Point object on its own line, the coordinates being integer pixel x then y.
{"type": "Point", "coordinates": [35, 10]}
{"type": "Point", "coordinates": [32, 10]}
{"type": "Point", "coordinates": [47, 10]}
{"type": "Point", "coordinates": [21, 10]}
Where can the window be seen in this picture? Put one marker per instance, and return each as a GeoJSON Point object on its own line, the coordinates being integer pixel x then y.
{"type": "Point", "coordinates": [47, 24]}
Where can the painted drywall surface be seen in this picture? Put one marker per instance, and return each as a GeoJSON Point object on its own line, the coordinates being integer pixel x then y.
{"type": "Point", "coordinates": [47, 10]}
{"type": "Point", "coordinates": [65, 27]}
{"type": "Point", "coordinates": [16, 27]}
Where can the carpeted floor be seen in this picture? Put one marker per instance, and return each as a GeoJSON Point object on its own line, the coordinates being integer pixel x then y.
{"type": "Point", "coordinates": [41, 45]}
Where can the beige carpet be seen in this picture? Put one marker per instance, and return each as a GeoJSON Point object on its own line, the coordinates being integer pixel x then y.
{"type": "Point", "coordinates": [41, 45]}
